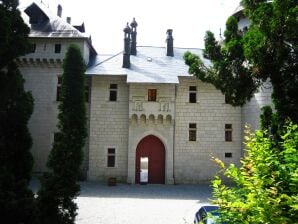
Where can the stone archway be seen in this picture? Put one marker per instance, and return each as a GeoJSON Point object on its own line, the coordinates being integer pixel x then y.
{"type": "Point", "coordinates": [154, 149]}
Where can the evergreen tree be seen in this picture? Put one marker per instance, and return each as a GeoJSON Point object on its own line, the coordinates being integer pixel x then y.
{"type": "Point", "coordinates": [267, 50]}
{"type": "Point", "coordinates": [16, 106]}
{"type": "Point", "coordinates": [59, 188]}
{"type": "Point", "coordinates": [13, 33]}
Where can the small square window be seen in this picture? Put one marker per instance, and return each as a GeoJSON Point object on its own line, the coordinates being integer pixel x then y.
{"type": "Point", "coordinates": [113, 92]}
{"type": "Point", "coordinates": [57, 48]}
{"type": "Point", "coordinates": [192, 132]}
{"type": "Point", "coordinates": [228, 155]}
{"type": "Point", "coordinates": [228, 132]}
{"type": "Point", "coordinates": [152, 94]}
{"type": "Point", "coordinates": [111, 157]}
{"type": "Point", "coordinates": [192, 94]}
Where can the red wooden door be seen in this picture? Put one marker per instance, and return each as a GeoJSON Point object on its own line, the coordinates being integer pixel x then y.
{"type": "Point", "coordinates": [154, 149]}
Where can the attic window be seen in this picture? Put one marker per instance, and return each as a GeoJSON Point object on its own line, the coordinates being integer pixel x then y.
{"type": "Point", "coordinates": [149, 59]}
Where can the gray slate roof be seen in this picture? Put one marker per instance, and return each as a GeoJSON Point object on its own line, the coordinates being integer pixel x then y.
{"type": "Point", "coordinates": [150, 65]}
{"type": "Point", "coordinates": [49, 24]}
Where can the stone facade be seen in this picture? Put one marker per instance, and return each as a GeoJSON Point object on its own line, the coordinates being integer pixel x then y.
{"type": "Point", "coordinates": [108, 128]}
{"type": "Point", "coordinates": [120, 114]}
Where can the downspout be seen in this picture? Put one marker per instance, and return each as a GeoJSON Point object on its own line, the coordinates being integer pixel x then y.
{"type": "Point", "coordinates": [174, 134]}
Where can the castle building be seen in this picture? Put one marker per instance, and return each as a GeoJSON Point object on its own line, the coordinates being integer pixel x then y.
{"type": "Point", "coordinates": [142, 106]}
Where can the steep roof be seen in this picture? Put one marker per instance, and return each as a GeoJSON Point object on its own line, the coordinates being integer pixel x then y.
{"type": "Point", "coordinates": [150, 65]}
{"type": "Point", "coordinates": [45, 24]}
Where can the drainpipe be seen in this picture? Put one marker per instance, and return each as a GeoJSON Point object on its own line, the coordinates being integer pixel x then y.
{"type": "Point", "coordinates": [174, 134]}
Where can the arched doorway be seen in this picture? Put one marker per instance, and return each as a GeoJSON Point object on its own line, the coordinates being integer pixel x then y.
{"type": "Point", "coordinates": [152, 148]}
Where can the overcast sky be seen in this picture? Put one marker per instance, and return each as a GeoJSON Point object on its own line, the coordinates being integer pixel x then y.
{"type": "Point", "coordinates": [105, 20]}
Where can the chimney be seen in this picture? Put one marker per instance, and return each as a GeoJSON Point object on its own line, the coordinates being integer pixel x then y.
{"type": "Point", "coordinates": [68, 20]}
{"type": "Point", "coordinates": [59, 10]}
{"type": "Point", "coordinates": [133, 25]}
{"type": "Point", "coordinates": [126, 52]}
{"type": "Point", "coordinates": [170, 44]}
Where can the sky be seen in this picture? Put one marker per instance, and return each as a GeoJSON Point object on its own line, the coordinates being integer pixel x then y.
{"type": "Point", "coordinates": [105, 20]}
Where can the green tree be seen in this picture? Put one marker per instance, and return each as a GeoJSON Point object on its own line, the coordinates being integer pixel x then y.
{"type": "Point", "coordinates": [267, 51]}
{"type": "Point", "coordinates": [265, 187]}
{"type": "Point", "coordinates": [13, 33]}
{"type": "Point", "coordinates": [59, 187]}
{"type": "Point", "coordinates": [16, 106]}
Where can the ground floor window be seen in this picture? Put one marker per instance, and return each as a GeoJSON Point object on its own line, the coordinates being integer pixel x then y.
{"type": "Point", "coordinates": [111, 157]}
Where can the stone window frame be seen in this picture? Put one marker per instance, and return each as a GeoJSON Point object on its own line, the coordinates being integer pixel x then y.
{"type": "Point", "coordinates": [228, 132]}
{"type": "Point", "coordinates": [192, 94]}
{"type": "Point", "coordinates": [113, 88]}
{"type": "Point", "coordinates": [110, 154]}
{"type": "Point", "coordinates": [192, 132]}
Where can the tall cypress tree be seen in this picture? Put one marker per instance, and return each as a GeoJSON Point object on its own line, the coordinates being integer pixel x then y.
{"type": "Point", "coordinates": [59, 187]}
{"type": "Point", "coordinates": [16, 106]}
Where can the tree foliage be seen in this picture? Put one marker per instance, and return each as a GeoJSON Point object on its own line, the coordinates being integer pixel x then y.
{"type": "Point", "coordinates": [59, 187]}
{"type": "Point", "coordinates": [265, 186]}
{"type": "Point", "coordinates": [13, 32]}
{"type": "Point", "coordinates": [16, 107]}
{"type": "Point", "coordinates": [267, 51]}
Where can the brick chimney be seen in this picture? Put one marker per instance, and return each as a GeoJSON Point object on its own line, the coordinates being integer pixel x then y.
{"type": "Point", "coordinates": [170, 43]}
{"type": "Point", "coordinates": [126, 52]}
{"type": "Point", "coordinates": [68, 20]}
{"type": "Point", "coordinates": [133, 25]}
{"type": "Point", "coordinates": [59, 10]}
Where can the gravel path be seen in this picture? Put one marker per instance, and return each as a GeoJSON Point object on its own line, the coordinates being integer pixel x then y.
{"type": "Point", "coordinates": [140, 204]}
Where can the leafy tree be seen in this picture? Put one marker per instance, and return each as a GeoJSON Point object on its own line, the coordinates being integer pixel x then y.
{"type": "Point", "coordinates": [13, 33]}
{"type": "Point", "coordinates": [265, 187]}
{"type": "Point", "coordinates": [267, 51]}
{"type": "Point", "coordinates": [16, 106]}
{"type": "Point", "coordinates": [59, 187]}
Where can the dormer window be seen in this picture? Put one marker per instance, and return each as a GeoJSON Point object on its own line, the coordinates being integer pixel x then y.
{"type": "Point", "coordinates": [57, 48]}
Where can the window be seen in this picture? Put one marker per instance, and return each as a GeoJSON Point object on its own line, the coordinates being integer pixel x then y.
{"type": "Point", "coordinates": [59, 88]}
{"type": "Point", "coordinates": [111, 157]}
{"type": "Point", "coordinates": [57, 48]}
{"type": "Point", "coordinates": [228, 132]}
{"type": "Point", "coordinates": [33, 48]}
{"type": "Point", "coordinates": [192, 132]}
{"type": "Point", "coordinates": [192, 94]}
{"type": "Point", "coordinates": [151, 94]}
{"type": "Point", "coordinates": [228, 155]}
{"type": "Point", "coordinates": [113, 92]}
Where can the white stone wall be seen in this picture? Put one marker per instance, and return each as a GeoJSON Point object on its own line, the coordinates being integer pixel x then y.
{"type": "Point", "coordinates": [45, 48]}
{"type": "Point", "coordinates": [152, 119]}
{"type": "Point", "coordinates": [251, 110]}
{"type": "Point", "coordinates": [192, 162]}
{"type": "Point", "coordinates": [41, 80]}
{"type": "Point", "coordinates": [108, 128]}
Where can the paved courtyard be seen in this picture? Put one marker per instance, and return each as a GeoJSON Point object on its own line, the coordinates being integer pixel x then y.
{"type": "Point", "coordinates": [140, 204]}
